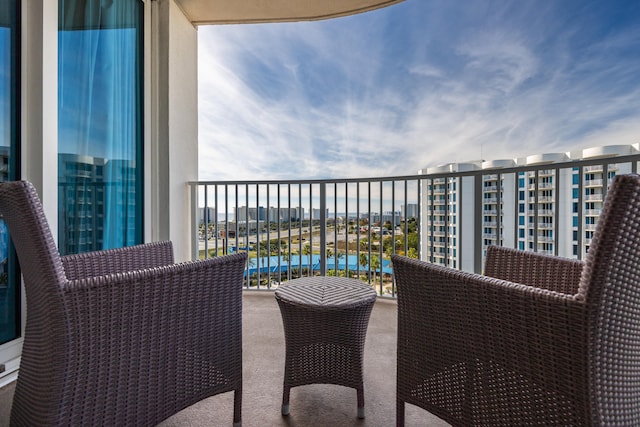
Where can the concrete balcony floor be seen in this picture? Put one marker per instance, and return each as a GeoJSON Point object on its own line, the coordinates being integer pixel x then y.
{"type": "Point", "coordinates": [311, 405]}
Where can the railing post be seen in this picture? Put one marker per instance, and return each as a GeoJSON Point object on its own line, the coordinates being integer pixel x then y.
{"type": "Point", "coordinates": [323, 230]}
{"type": "Point", "coordinates": [477, 224]}
{"type": "Point", "coordinates": [206, 222]}
{"type": "Point", "coordinates": [194, 216]}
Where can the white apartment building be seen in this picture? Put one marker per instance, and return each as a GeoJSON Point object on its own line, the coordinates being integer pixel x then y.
{"type": "Point", "coordinates": [445, 215]}
{"type": "Point", "coordinates": [534, 204]}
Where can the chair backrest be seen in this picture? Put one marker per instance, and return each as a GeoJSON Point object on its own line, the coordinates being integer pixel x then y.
{"type": "Point", "coordinates": [39, 257]}
{"type": "Point", "coordinates": [40, 264]}
{"type": "Point", "coordinates": [611, 285]}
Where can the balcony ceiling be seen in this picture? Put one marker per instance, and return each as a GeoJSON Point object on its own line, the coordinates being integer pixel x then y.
{"type": "Point", "coordinates": [202, 12]}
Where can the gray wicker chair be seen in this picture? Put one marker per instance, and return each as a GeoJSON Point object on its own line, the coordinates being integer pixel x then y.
{"type": "Point", "coordinates": [539, 340]}
{"type": "Point", "coordinates": [120, 337]}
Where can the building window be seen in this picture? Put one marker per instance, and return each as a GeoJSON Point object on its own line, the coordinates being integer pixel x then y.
{"type": "Point", "coordinates": [100, 124]}
{"type": "Point", "coordinates": [9, 162]}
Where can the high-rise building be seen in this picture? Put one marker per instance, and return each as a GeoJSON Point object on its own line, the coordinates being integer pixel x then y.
{"type": "Point", "coordinates": [411, 210]}
{"type": "Point", "coordinates": [87, 194]}
{"type": "Point", "coordinates": [534, 209]}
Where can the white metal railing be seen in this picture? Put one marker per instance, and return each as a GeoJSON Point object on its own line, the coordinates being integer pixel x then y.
{"type": "Point", "coordinates": [351, 227]}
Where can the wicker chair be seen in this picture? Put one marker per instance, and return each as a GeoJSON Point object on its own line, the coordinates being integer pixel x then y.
{"type": "Point", "coordinates": [120, 337]}
{"type": "Point", "coordinates": [539, 340]}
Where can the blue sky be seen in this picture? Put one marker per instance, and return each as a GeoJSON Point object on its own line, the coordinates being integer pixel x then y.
{"type": "Point", "coordinates": [417, 84]}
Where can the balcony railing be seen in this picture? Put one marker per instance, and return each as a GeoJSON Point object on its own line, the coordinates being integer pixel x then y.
{"type": "Point", "coordinates": [351, 227]}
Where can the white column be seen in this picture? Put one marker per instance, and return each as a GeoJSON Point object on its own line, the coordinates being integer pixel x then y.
{"type": "Point", "coordinates": [171, 146]}
{"type": "Point", "coordinates": [40, 102]}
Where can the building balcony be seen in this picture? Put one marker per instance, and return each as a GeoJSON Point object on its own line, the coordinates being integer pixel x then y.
{"type": "Point", "coordinates": [592, 212]}
{"type": "Point", "coordinates": [593, 183]}
{"type": "Point", "coordinates": [264, 341]}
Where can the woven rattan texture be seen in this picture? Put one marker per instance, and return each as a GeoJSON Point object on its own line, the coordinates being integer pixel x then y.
{"type": "Point", "coordinates": [131, 339]}
{"type": "Point", "coordinates": [326, 293]}
{"type": "Point", "coordinates": [325, 324]}
{"type": "Point", "coordinates": [556, 343]}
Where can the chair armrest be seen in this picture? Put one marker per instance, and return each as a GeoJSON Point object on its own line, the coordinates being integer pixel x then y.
{"type": "Point", "coordinates": [533, 269]}
{"type": "Point", "coordinates": [100, 263]}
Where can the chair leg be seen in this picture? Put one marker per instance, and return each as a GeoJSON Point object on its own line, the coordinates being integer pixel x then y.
{"type": "Point", "coordinates": [360, 402]}
{"type": "Point", "coordinates": [237, 408]}
{"type": "Point", "coordinates": [399, 412]}
{"type": "Point", "coordinates": [285, 400]}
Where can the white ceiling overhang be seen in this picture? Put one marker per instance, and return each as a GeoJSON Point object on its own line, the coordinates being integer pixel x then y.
{"type": "Point", "coordinates": [203, 12]}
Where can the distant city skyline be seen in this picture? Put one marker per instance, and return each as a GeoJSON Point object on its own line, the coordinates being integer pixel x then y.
{"type": "Point", "coordinates": [415, 85]}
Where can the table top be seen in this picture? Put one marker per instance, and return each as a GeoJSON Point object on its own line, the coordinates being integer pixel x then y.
{"type": "Point", "coordinates": [326, 292]}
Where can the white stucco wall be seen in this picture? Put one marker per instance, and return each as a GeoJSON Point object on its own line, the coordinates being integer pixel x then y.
{"type": "Point", "coordinates": [40, 103]}
{"type": "Point", "coordinates": [172, 153]}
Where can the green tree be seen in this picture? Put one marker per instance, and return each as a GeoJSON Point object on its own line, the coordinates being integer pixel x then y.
{"type": "Point", "coordinates": [374, 264]}
{"type": "Point", "coordinates": [363, 260]}
{"type": "Point", "coordinates": [413, 240]}
{"type": "Point", "coordinates": [412, 253]}
{"type": "Point", "coordinates": [329, 253]}
{"type": "Point", "coordinates": [306, 249]}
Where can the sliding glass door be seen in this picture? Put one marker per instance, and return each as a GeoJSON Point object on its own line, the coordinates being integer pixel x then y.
{"type": "Point", "coordinates": [9, 161]}
{"type": "Point", "coordinates": [100, 124]}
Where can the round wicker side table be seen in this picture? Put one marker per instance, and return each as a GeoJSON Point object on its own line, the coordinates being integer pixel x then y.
{"type": "Point", "coordinates": [325, 323]}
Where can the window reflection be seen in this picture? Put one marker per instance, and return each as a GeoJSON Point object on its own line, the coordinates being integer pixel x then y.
{"type": "Point", "coordinates": [9, 137]}
{"type": "Point", "coordinates": [100, 124]}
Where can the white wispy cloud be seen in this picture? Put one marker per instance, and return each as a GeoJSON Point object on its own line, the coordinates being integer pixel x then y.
{"type": "Point", "coordinates": [384, 94]}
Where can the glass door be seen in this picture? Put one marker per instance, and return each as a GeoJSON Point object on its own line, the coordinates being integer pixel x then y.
{"type": "Point", "coordinates": [9, 161]}
{"type": "Point", "coordinates": [100, 123]}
